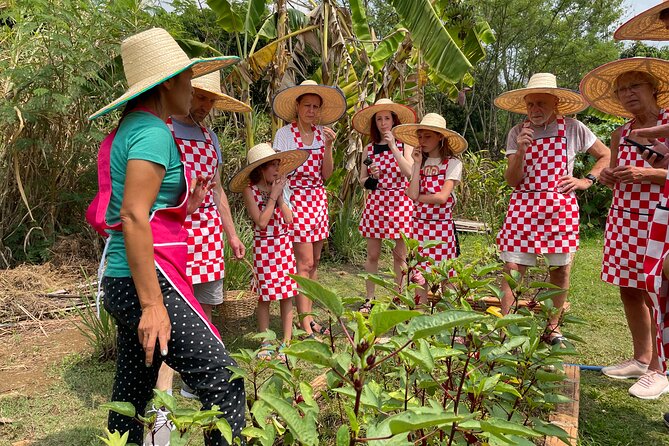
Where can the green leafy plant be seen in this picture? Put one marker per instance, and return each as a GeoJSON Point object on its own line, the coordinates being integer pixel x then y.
{"type": "Point", "coordinates": [347, 244]}
{"type": "Point", "coordinates": [100, 331]}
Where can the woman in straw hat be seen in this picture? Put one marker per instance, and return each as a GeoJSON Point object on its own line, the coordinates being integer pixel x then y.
{"type": "Point", "coordinates": [141, 206]}
{"type": "Point", "coordinates": [435, 173]}
{"type": "Point", "coordinates": [308, 107]}
{"type": "Point", "coordinates": [651, 24]}
{"type": "Point", "coordinates": [201, 150]}
{"type": "Point", "coordinates": [384, 171]}
{"type": "Point", "coordinates": [543, 214]}
{"type": "Point", "coordinates": [635, 88]}
{"type": "Point", "coordinates": [262, 183]}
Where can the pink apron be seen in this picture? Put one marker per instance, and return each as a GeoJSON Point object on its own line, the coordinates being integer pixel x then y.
{"type": "Point", "coordinates": [628, 222]}
{"type": "Point", "coordinates": [273, 257]}
{"type": "Point", "coordinates": [204, 226]}
{"type": "Point", "coordinates": [540, 219]}
{"type": "Point", "coordinates": [388, 210]}
{"type": "Point", "coordinates": [169, 237]}
{"type": "Point", "coordinates": [309, 200]}
{"type": "Point", "coordinates": [435, 221]}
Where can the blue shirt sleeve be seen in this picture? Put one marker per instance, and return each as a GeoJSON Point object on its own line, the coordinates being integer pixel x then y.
{"type": "Point", "coordinates": [153, 144]}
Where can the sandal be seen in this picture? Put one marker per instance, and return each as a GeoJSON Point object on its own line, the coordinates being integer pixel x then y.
{"type": "Point", "coordinates": [558, 339]}
{"type": "Point", "coordinates": [265, 352]}
{"type": "Point", "coordinates": [322, 330]}
{"type": "Point", "coordinates": [366, 306]}
{"type": "Point", "coordinates": [280, 355]}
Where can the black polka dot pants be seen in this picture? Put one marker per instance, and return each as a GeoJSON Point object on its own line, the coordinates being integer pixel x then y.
{"type": "Point", "coordinates": [194, 352]}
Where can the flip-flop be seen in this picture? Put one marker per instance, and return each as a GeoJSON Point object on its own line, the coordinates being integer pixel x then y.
{"type": "Point", "coordinates": [366, 307]}
{"type": "Point", "coordinates": [323, 330]}
{"type": "Point", "coordinates": [265, 352]}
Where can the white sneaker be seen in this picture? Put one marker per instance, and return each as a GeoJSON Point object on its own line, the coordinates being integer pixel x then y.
{"type": "Point", "coordinates": [162, 429]}
{"type": "Point", "coordinates": [650, 386]}
{"type": "Point", "coordinates": [187, 392]}
{"type": "Point", "coordinates": [628, 369]}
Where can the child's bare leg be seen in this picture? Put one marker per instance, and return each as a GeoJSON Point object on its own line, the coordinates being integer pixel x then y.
{"type": "Point", "coordinates": [262, 314]}
{"type": "Point", "coordinates": [399, 262]}
{"type": "Point", "coordinates": [287, 319]}
{"type": "Point", "coordinates": [372, 264]}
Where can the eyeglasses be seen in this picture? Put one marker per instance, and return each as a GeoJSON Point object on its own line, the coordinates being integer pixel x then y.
{"type": "Point", "coordinates": [632, 88]}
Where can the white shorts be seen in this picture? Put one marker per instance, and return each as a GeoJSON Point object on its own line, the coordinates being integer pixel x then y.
{"type": "Point", "coordinates": [530, 259]}
{"type": "Point", "coordinates": [209, 293]}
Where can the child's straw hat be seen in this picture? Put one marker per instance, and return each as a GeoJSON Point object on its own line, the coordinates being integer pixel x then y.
{"type": "Point", "coordinates": [408, 133]}
{"type": "Point", "coordinates": [333, 102]}
{"type": "Point", "coordinates": [598, 86]}
{"type": "Point", "coordinates": [211, 83]}
{"type": "Point", "coordinates": [569, 102]}
{"type": "Point", "coordinates": [363, 118]}
{"type": "Point", "coordinates": [152, 57]}
{"type": "Point", "coordinates": [645, 26]}
{"type": "Point", "coordinates": [264, 153]}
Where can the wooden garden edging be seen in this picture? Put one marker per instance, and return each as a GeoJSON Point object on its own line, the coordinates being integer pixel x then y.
{"type": "Point", "coordinates": [566, 415]}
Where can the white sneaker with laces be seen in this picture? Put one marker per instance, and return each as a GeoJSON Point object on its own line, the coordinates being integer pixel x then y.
{"type": "Point", "coordinates": [162, 429]}
{"type": "Point", "coordinates": [650, 386]}
{"type": "Point", "coordinates": [628, 369]}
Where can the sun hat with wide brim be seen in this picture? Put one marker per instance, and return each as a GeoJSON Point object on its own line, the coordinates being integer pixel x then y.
{"type": "Point", "coordinates": [333, 104]}
{"type": "Point", "coordinates": [598, 86]}
{"type": "Point", "coordinates": [408, 133]}
{"type": "Point", "coordinates": [211, 84]}
{"type": "Point", "coordinates": [152, 57]}
{"type": "Point", "coordinates": [363, 118]}
{"type": "Point", "coordinates": [569, 101]}
{"type": "Point", "coordinates": [264, 153]}
{"type": "Point", "coordinates": [645, 26]}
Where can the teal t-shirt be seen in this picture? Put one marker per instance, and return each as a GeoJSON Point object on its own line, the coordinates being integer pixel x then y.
{"type": "Point", "coordinates": [141, 136]}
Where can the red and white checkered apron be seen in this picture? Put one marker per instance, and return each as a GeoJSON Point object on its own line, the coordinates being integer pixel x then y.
{"type": "Point", "coordinates": [628, 222]}
{"type": "Point", "coordinates": [435, 221]}
{"type": "Point", "coordinates": [309, 200]}
{"type": "Point", "coordinates": [540, 219]}
{"type": "Point", "coordinates": [388, 210]}
{"type": "Point", "coordinates": [273, 257]}
{"type": "Point", "coordinates": [204, 226]}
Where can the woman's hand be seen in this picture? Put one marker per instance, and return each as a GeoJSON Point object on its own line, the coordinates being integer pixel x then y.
{"type": "Point", "coordinates": [329, 136]}
{"type": "Point", "coordinates": [276, 192]}
{"type": "Point", "coordinates": [199, 188]}
{"type": "Point", "coordinates": [607, 177]}
{"type": "Point", "coordinates": [417, 156]}
{"type": "Point", "coordinates": [374, 171]}
{"type": "Point", "coordinates": [629, 174]}
{"type": "Point", "coordinates": [652, 159]}
{"type": "Point", "coordinates": [390, 139]}
{"type": "Point", "coordinates": [154, 325]}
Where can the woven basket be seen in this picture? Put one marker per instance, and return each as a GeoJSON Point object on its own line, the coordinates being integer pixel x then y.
{"type": "Point", "coordinates": [239, 304]}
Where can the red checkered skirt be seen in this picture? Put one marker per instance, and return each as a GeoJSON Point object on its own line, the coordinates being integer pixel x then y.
{"type": "Point", "coordinates": [310, 215]}
{"type": "Point", "coordinates": [656, 283]}
{"type": "Point", "coordinates": [273, 260]}
{"type": "Point", "coordinates": [442, 230]}
{"type": "Point", "coordinates": [387, 213]}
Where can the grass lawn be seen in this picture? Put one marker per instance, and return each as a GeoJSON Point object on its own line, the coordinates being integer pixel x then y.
{"type": "Point", "coordinates": [66, 412]}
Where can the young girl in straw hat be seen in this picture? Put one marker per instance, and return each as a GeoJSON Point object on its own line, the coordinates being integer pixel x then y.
{"type": "Point", "coordinates": [142, 203]}
{"type": "Point", "coordinates": [436, 173]}
{"type": "Point", "coordinates": [308, 107]}
{"type": "Point", "coordinates": [386, 166]}
{"type": "Point", "coordinates": [262, 183]}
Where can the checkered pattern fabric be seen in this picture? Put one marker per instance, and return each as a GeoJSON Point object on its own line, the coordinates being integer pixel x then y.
{"type": "Point", "coordinates": [388, 211]}
{"type": "Point", "coordinates": [204, 226]}
{"type": "Point", "coordinates": [273, 257]}
{"type": "Point", "coordinates": [435, 221]}
{"type": "Point", "coordinates": [540, 219]}
{"type": "Point", "coordinates": [309, 200]}
{"type": "Point", "coordinates": [628, 223]}
{"type": "Point", "coordinates": [656, 284]}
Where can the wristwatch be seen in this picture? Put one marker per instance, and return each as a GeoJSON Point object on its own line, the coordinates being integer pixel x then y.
{"type": "Point", "coordinates": [591, 177]}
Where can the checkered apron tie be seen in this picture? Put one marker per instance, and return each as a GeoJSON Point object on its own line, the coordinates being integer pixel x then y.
{"type": "Point", "coordinates": [309, 200]}
{"type": "Point", "coordinates": [273, 257]}
{"type": "Point", "coordinates": [628, 222]}
{"type": "Point", "coordinates": [204, 226]}
{"type": "Point", "coordinates": [388, 210]}
{"type": "Point", "coordinates": [435, 221]}
{"type": "Point", "coordinates": [540, 219]}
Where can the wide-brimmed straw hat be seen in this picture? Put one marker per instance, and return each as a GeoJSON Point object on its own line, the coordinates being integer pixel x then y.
{"type": "Point", "coordinates": [264, 153]}
{"type": "Point", "coordinates": [363, 118]}
{"type": "Point", "coordinates": [408, 133]}
{"type": "Point", "coordinates": [211, 83]}
{"type": "Point", "coordinates": [644, 26]}
{"type": "Point", "coordinates": [598, 86]}
{"type": "Point", "coordinates": [152, 57]}
{"type": "Point", "coordinates": [569, 101]}
{"type": "Point", "coordinates": [333, 104]}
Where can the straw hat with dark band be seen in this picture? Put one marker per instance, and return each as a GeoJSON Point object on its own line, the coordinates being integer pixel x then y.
{"type": "Point", "coordinates": [211, 83]}
{"type": "Point", "coordinates": [363, 118]}
{"type": "Point", "coordinates": [598, 86]}
{"type": "Point", "coordinates": [569, 101]}
{"type": "Point", "coordinates": [152, 57]}
{"type": "Point", "coordinates": [333, 105]}
{"type": "Point", "coordinates": [264, 153]}
{"type": "Point", "coordinates": [408, 133]}
{"type": "Point", "coordinates": [644, 26]}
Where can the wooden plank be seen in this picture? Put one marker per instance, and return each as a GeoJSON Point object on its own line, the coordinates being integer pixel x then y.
{"type": "Point", "coordinates": [566, 415]}
{"type": "Point", "coordinates": [464, 225]}
{"type": "Point", "coordinates": [493, 301]}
